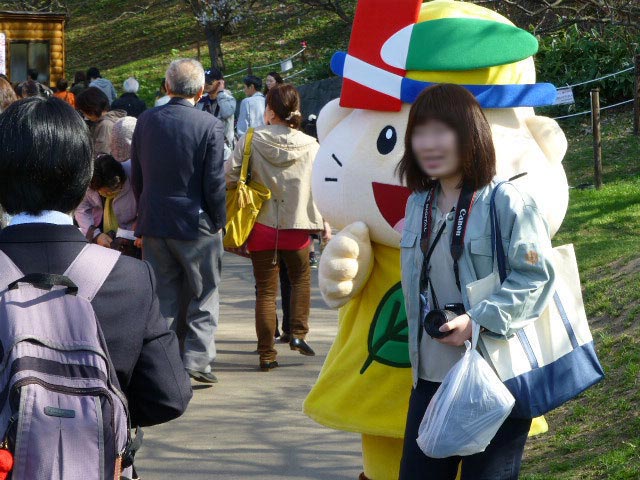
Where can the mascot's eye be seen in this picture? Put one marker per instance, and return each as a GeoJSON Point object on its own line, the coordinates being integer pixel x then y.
{"type": "Point", "coordinates": [387, 140]}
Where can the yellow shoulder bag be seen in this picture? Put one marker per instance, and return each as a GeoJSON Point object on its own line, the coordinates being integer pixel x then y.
{"type": "Point", "coordinates": [243, 202]}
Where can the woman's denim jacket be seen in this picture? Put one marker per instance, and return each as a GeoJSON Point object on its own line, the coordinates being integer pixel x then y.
{"type": "Point", "coordinates": [530, 275]}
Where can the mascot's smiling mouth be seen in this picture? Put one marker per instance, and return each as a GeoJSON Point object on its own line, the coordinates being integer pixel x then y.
{"type": "Point", "coordinates": [392, 203]}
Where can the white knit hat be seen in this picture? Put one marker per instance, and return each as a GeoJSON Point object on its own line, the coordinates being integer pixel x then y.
{"type": "Point", "coordinates": [121, 136]}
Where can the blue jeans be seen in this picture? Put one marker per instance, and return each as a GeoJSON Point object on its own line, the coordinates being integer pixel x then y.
{"type": "Point", "coordinates": [500, 461]}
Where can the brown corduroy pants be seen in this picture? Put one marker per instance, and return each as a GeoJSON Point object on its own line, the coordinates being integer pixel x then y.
{"type": "Point", "coordinates": [266, 275]}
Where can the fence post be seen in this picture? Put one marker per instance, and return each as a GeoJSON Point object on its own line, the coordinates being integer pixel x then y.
{"type": "Point", "coordinates": [636, 98]}
{"type": "Point", "coordinates": [597, 137]}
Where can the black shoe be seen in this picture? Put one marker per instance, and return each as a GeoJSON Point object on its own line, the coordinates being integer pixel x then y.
{"type": "Point", "coordinates": [202, 376]}
{"type": "Point", "coordinates": [285, 338]}
{"type": "Point", "coordinates": [302, 347]}
{"type": "Point", "coordinates": [266, 366]}
{"type": "Point", "coordinates": [277, 335]}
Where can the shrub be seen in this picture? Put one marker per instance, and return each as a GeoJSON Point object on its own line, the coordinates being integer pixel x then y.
{"type": "Point", "coordinates": [577, 55]}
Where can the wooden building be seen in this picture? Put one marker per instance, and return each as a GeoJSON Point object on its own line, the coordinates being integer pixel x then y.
{"type": "Point", "coordinates": [32, 41]}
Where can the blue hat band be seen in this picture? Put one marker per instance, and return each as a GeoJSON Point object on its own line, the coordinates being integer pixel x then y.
{"type": "Point", "coordinates": [407, 89]}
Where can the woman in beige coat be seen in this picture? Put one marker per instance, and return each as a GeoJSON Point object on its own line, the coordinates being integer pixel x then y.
{"type": "Point", "coordinates": [281, 159]}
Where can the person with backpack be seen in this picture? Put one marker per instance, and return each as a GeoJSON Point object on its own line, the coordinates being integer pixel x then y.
{"type": "Point", "coordinates": [88, 353]}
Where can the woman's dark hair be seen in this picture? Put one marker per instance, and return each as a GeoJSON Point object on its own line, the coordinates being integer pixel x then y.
{"type": "Point", "coordinates": [93, 73]}
{"type": "Point", "coordinates": [458, 108]}
{"type": "Point", "coordinates": [284, 101]}
{"type": "Point", "coordinates": [92, 101]}
{"type": "Point", "coordinates": [253, 80]}
{"type": "Point", "coordinates": [107, 173]}
{"type": "Point", "coordinates": [79, 77]}
{"type": "Point", "coordinates": [46, 156]}
{"type": "Point", "coordinates": [7, 95]}
{"type": "Point", "coordinates": [276, 76]}
{"type": "Point", "coordinates": [30, 88]}
{"type": "Point", "coordinates": [62, 85]}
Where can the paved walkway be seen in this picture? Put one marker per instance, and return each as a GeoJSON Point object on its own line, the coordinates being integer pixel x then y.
{"type": "Point", "coordinates": [251, 425]}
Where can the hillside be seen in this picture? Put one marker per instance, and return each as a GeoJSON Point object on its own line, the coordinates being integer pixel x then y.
{"type": "Point", "coordinates": [597, 436]}
{"type": "Point", "coordinates": [140, 38]}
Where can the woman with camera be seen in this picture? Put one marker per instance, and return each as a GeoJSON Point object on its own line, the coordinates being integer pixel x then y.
{"type": "Point", "coordinates": [450, 164]}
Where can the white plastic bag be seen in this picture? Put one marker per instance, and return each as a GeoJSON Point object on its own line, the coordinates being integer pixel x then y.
{"type": "Point", "coordinates": [467, 410]}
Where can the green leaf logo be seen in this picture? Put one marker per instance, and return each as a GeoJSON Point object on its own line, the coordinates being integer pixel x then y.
{"type": "Point", "coordinates": [389, 333]}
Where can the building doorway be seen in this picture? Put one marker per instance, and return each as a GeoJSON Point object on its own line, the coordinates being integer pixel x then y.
{"type": "Point", "coordinates": [29, 55]}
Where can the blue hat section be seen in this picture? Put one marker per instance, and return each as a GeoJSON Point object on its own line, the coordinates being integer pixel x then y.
{"type": "Point", "coordinates": [493, 96]}
{"type": "Point", "coordinates": [337, 63]}
{"type": "Point", "coordinates": [489, 96]}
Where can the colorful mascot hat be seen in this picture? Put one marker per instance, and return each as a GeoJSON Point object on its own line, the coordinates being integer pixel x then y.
{"type": "Point", "coordinates": [400, 47]}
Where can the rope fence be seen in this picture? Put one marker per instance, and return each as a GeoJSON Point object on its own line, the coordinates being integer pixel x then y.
{"type": "Point", "coordinates": [599, 79]}
{"type": "Point", "coordinates": [586, 112]}
{"type": "Point", "coordinates": [245, 71]}
{"type": "Point", "coordinates": [595, 80]}
{"type": "Point", "coordinates": [565, 96]}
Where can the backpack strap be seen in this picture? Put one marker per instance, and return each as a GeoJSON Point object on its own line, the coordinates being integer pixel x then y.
{"type": "Point", "coordinates": [91, 268]}
{"type": "Point", "coordinates": [9, 272]}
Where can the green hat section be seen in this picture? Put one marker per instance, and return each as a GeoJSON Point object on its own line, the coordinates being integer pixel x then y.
{"type": "Point", "coordinates": [456, 44]}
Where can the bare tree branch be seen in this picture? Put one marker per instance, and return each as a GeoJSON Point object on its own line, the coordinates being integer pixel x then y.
{"type": "Point", "coordinates": [34, 5]}
{"type": "Point", "coordinates": [546, 16]}
{"type": "Point", "coordinates": [338, 7]}
{"type": "Point", "coordinates": [218, 17]}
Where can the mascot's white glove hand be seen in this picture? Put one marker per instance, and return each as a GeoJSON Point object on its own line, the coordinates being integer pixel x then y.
{"type": "Point", "coordinates": [345, 265]}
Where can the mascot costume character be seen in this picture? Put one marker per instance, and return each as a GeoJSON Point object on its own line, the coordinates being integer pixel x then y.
{"type": "Point", "coordinates": [396, 50]}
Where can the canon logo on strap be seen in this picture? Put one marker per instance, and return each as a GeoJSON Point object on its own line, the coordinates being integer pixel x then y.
{"type": "Point", "coordinates": [461, 216]}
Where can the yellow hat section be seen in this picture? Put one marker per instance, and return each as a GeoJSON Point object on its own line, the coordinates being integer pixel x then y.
{"type": "Point", "coordinates": [518, 73]}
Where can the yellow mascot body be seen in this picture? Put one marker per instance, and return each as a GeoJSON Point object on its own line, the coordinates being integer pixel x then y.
{"type": "Point", "coordinates": [365, 383]}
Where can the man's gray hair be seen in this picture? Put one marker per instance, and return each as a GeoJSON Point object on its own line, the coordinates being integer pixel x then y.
{"type": "Point", "coordinates": [131, 85]}
{"type": "Point", "coordinates": [185, 77]}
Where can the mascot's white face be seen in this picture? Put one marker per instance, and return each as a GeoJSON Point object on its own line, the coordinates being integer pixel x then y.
{"type": "Point", "coordinates": [354, 175]}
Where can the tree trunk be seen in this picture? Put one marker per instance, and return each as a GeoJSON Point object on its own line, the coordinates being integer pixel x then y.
{"type": "Point", "coordinates": [214, 41]}
{"type": "Point", "coordinates": [342, 14]}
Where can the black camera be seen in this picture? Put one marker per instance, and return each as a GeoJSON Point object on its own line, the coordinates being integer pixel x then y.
{"type": "Point", "coordinates": [436, 318]}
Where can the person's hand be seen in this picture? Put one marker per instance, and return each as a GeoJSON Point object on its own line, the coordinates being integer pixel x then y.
{"type": "Point", "coordinates": [461, 331]}
{"type": "Point", "coordinates": [242, 251]}
{"type": "Point", "coordinates": [104, 240]}
{"type": "Point", "coordinates": [215, 90]}
{"type": "Point", "coordinates": [326, 233]}
{"type": "Point", "coordinates": [138, 242]}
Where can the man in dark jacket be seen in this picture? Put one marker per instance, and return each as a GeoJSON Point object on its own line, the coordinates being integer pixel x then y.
{"type": "Point", "coordinates": [178, 179]}
{"type": "Point", "coordinates": [129, 100]}
{"type": "Point", "coordinates": [45, 149]}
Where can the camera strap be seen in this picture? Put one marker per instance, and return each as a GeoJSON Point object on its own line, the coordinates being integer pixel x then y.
{"type": "Point", "coordinates": [463, 210]}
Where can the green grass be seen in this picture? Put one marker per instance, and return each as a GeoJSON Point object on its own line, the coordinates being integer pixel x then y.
{"type": "Point", "coordinates": [597, 436]}
{"type": "Point", "coordinates": [125, 38]}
